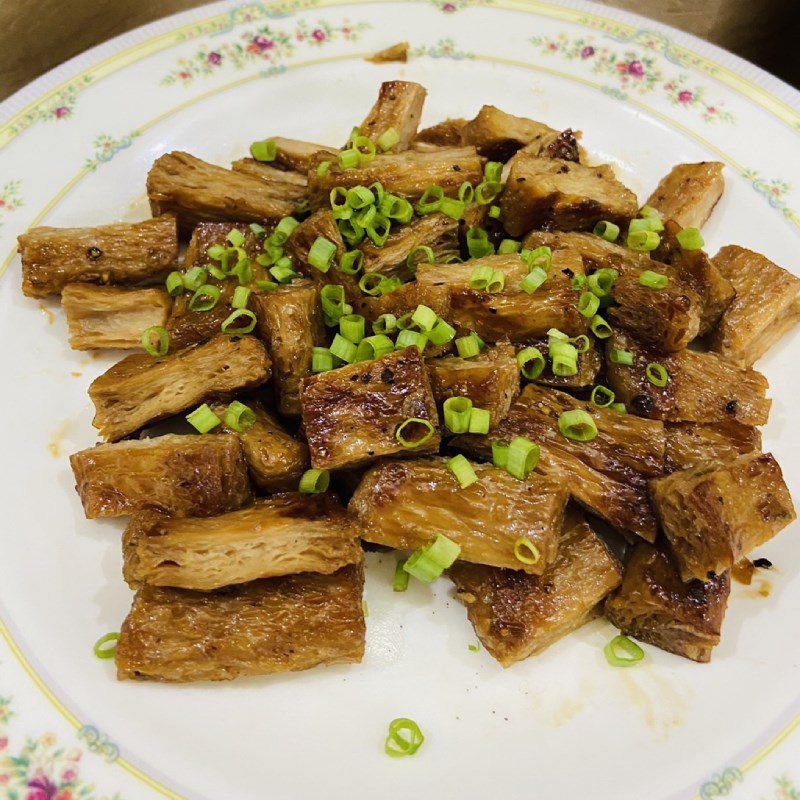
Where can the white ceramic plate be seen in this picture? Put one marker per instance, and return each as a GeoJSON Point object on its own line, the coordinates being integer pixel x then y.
{"type": "Point", "coordinates": [76, 146]}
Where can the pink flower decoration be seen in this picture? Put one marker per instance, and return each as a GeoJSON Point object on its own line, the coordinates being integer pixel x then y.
{"type": "Point", "coordinates": [262, 43]}
{"type": "Point", "coordinates": [3, 739]}
{"type": "Point", "coordinates": [636, 68]}
{"type": "Point", "coordinates": [68, 775]}
{"type": "Point", "coordinates": [587, 52]}
{"type": "Point", "coordinates": [4, 779]}
{"type": "Point", "coordinates": [319, 35]}
{"type": "Point", "coordinates": [61, 112]}
{"type": "Point", "coordinates": [214, 58]}
{"type": "Point", "coordinates": [449, 8]}
{"type": "Point", "coordinates": [686, 96]}
{"type": "Point", "coordinates": [183, 75]}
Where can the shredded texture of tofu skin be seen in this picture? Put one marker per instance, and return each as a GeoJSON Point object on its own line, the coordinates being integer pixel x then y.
{"type": "Point", "coordinates": [689, 193]}
{"type": "Point", "coordinates": [444, 134]}
{"type": "Point", "coordinates": [399, 106]}
{"type": "Point", "coordinates": [691, 444]}
{"type": "Point", "coordinates": [284, 185]}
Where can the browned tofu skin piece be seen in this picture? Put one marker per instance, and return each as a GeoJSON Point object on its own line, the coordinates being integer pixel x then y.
{"type": "Point", "coordinates": [298, 156]}
{"type": "Point", "coordinates": [445, 134]}
{"type": "Point", "coordinates": [111, 316]}
{"type": "Point", "coordinates": [405, 504]}
{"type": "Point", "coordinates": [692, 445]}
{"type": "Point", "coordinates": [406, 174]}
{"type": "Point", "coordinates": [276, 460]}
{"type": "Point", "coordinates": [437, 231]}
{"type": "Point", "coordinates": [596, 253]}
{"type": "Point", "coordinates": [123, 253]}
{"type": "Point", "coordinates": [689, 192]}
{"type": "Point", "coordinates": [404, 299]}
{"type": "Point", "coordinates": [196, 191]}
{"type": "Point", "coordinates": [273, 625]}
{"type": "Point", "coordinates": [290, 324]}
{"type": "Point", "coordinates": [284, 535]}
{"type": "Point", "coordinates": [351, 414]}
{"type": "Point", "coordinates": [554, 193]}
{"type": "Point", "coordinates": [141, 389]}
{"type": "Point", "coordinates": [701, 386]}
{"type": "Point", "coordinates": [490, 380]}
{"type": "Point", "coordinates": [399, 106]}
{"type": "Point", "coordinates": [713, 515]}
{"type": "Point", "coordinates": [608, 474]}
{"type": "Point", "coordinates": [590, 363]}
{"type": "Point", "coordinates": [517, 615]}
{"type": "Point", "coordinates": [283, 185]}
{"type": "Point", "coordinates": [655, 606]}
{"type": "Point", "coordinates": [765, 294]}
{"type": "Point", "coordinates": [397, 52]}
{"type": "Point", "coordinates": [180, 475]}
{"type": "Point", "coordinates": [510, 314]}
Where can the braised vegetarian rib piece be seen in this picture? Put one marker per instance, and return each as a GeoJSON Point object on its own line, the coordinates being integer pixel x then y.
{"type": "Point", "coordinates": [595, 252]}
{"type": "Point", "coordinates": [689, 192]}
{"type": "Point", "coordinates": [715, 514]}
{"type": "Point", "coordinates": [765, 306]}
{"type": "Point", "coordinates": [283, 535]}
{"type": "Point", "coordinates": [276, 461]}
{"type": "Point", "coordinates": [656, 606]}
{"type": "Point", "coordinates": [608, 474]}
{"type": "Point", "coordinates": [691, 445]}
{"type": "Point", "coordinates": [490, 379]}
{"type": "Point", "coordinates": [299, 156]}
{"type": "Point", "coordinates": [444, 134]}
{"type": "Point", "coordinates": [701, 386]}
{"type": "Point", "coordinates": [510, 314]}
{"type": "Point", "coordinates": [180, 475]}
{"type": "Point", "coordinates": [351, 415]}
{"type": "Point", "coordinates": [142, 389]}
{"type": "Point", "coordinates": [290, 324]}
{"type": "Point", "coordinates": [122, 253]}
{"type": "Point", "coordinates": [112, 316]}
{"type": "Point", "coordinates": [284, 185]}
{"type": "Point", "coordinates": [516, 615]}
{"type": "Point", "coordinates": [406, 174]}
{"type": "Point", "coordinates": [589, 365]}
{"type": "Point", "coordinates": [405, 299]}
{"type": "Point", "coordinates": [399, 106]}
{"type": "Point", "coordinates": [405, 504]}
{"type": "Point", "coordinates": [554, 193]}
{"type": "Point", "coordinates": [196, 191]}
{"type": "Point", "coordinates": [273, 625]}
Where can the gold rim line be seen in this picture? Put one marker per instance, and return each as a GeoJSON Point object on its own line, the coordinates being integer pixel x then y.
{"type": "Point", "coordinates": [753, 91]}
{"type": "Point", "coordinates": [760, 754]}
{"type": "Point", "coordinates": [16, 651]}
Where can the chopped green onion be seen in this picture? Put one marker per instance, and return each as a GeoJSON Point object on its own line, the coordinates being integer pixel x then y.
{"type": "Point", "coordinates": [478, 243]}
{"type": "Point", "coordinates": [349, 158]}
{"type": "Point", "coordinates": [623, 357]}
{"type": "Point", "coordinates": [205, 298]}
{"type": "Point", "coordinates": [409, 338]}
{"type": "Point", "coordinates": [314, 481]}
{"type": "Point", "coordinates": [656, 374]}
{"type": "Point", "coordinates": [283, 230]}
{"type": "Point", "coordinates": [607, 230]}
{"type": "Point", "coordinates": [531, 362]}
{"type": "Point", "coordinates": [479, 420]}
{"type": "Point", "coordinates": [690, 239]}
{"type": "Point", "coordinates": [370, 283]}
{"type": "Point", "coordinates": [355, 131]}
{"type": "Point", "coordinates": [388, 139]}
{"type": "Point", "coordinates": [351, 262]}
{"type": "Point", "coordinates": [619, 407]}
{"type": "Point", "coordinates": [404, 322]}
{"type": "Point", "coordinates": [588, 304]}
{"type": "Point", "coordinates": [431, 199]}
{"type": "Point", "coordinates": [509, 246]}
{"type": "Point", "coordinates": [646, 224]}
{"type": "Point", "coordinates": [404, 738]}
{"type": "Point", "coordinates": [563, 366]}
{"type": "Point", "coordinates": [581, 343]}
{"type": "Point", "coordinates": [343, 348]}
{"type": "Point", "coordinates": [413, 424]}
{"type": "Point", "coordinates": [333, 303]}
{"type": "Point", "coordinates": [322, 168]}
{"type": "Point", "coordinates": [229, 325]}
{"type": "Point", "coordinates": [555, 333]}
{"type": "Point", "coordinates": [217, 252]}
{"type": "Point", "coordinates": [374, 347]}
{"type": "Point", "coordinates": [239, 417]}
{"type": "Point", "coordinates": [532, 556]}
{"type": "Point", "coordinates": [396, 208]}
{"type": "Point", "coordinates": [577, 425]}
{"type": "Point", "coordinates": [195, 278]}
{"type": "Point", "coordinates": [486, 191]}
{"type": "Point", "coordinates": [480, 278]}
{"type": "Point", "coordinates": [321, 359]}
{"type": "Point", "coordinates": [340, 208]}
{"type": "Point", "coordinates": [462, 469]}
{"type": "Point", "coordinates": [240, 297]}
{"type": "Point", "coordinates": [599, 327]}
{"type": "Point", "coordinates": [643, 241]}
{"type": "Point", "coordinates": [365, 148]}
{"type": "Point", "coordinates": [378, 230]}
{"type": "Point", "coordinates": [257, 230]}
{"type": "Point", "coordinates": [577, 282]}
{"type": "Point", "coordinates": [466, 192]}
{"type": "Point", "coordinates": [492, 171]}
{"type": "Point", "coordinates": [468, 346]}
{"type": "Point", "coordinates": [244, 272]}
{"type": "Point", "coordinates": [602, 281]}
{"type": "Point", "coordinates": [321, 254]}
{"type": "Point", "coordinates": [100, 649]}
{"type": "Point", "coordinates": [385, 323]}
{"type": "Point", "coordinates": [622, 652]}
{"type": "Point", "coordinates": [215, 272]}
{"type": "Point", "coordinates": [452, 208]}
{"type": "Point", "coordinates": [360, 197]}
{"type": "Point", "coordinates": [649, 211]}
{"type": "Point", "coordinates": [424, 318]}
{"type": "Point", "coordinates": [441, 333]}
{"type": "Point", "coordinates": [523, 456]}
{"type": "Point", "coordinates": [473, 648]}
{"type": "Point", "coordinates": [457, 411]}
{"type": "Point", "coordinates": [351, 326]}
{"type": "Point", "coordinates": [161, 347]}
{"type": "Point", "coordinates": [203, 419]}
{"type": "Point", "coordinates": [266, 286]}
{"type": "Point", "coordinates": [283, 272]}
{"type": "Point", "coordinates": [174, 284]}
{"type": "Point", "coordinates": [494, 212]}
{"type": "Point", "coordinates": [539, 257]}
{"type": "Point", "coordinates": [351, 231]}
{"type": "Point", "coordinates": [653, 280]}
{"type": "Point", "coordinates": [497, 282]}
{"type": "Point", "coordinates": [235, 237]}
{"type": "Point", "coordinates": [264, 151]}
{"type": "Point", "coordinates": [400, 580]}
{"type": "Point", "coordinates": [602, 397]}
{"type": "Point", "coordinates": [412, 263]}
{"type": "Point", "coordinates": [271, 254]}
{"type": "Point", "coordinates": [500, 455]}
{"type": "Point", "coordinates": [533, 280]}
{"type": "Point", "coordinates": [430, 561]}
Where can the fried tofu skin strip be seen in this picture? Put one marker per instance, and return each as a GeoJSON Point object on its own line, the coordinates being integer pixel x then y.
{"type": "Point", "coordinates": [444, 134]}
{"type": "Point", "coordinates": [124, 253]}
{"type": "Point", "coordinates": [692, 445]}
{"type": "Point", "coordinates": [713, 515]}
{"type": "Point", "coordinates": [689, 192]}
{"type": "Point", "coordinates": [404, 504]}
{"type": "Point", "coordinates": [273, 625]}
{"type": "Point", "coordinates": [110, 316]}
{"type": "Point", "coordinates": [517, 615]}
{"type": "Point", "coordinates": [141, 389]}
{"type": "Point", "coordinates": [284, 185]}
{"type": "Point", "coordinates": [399, 106]}
{"type": "Point", "coordinates": [179, 475]}
{"type": "Point", "coordinates": [655, 606]}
